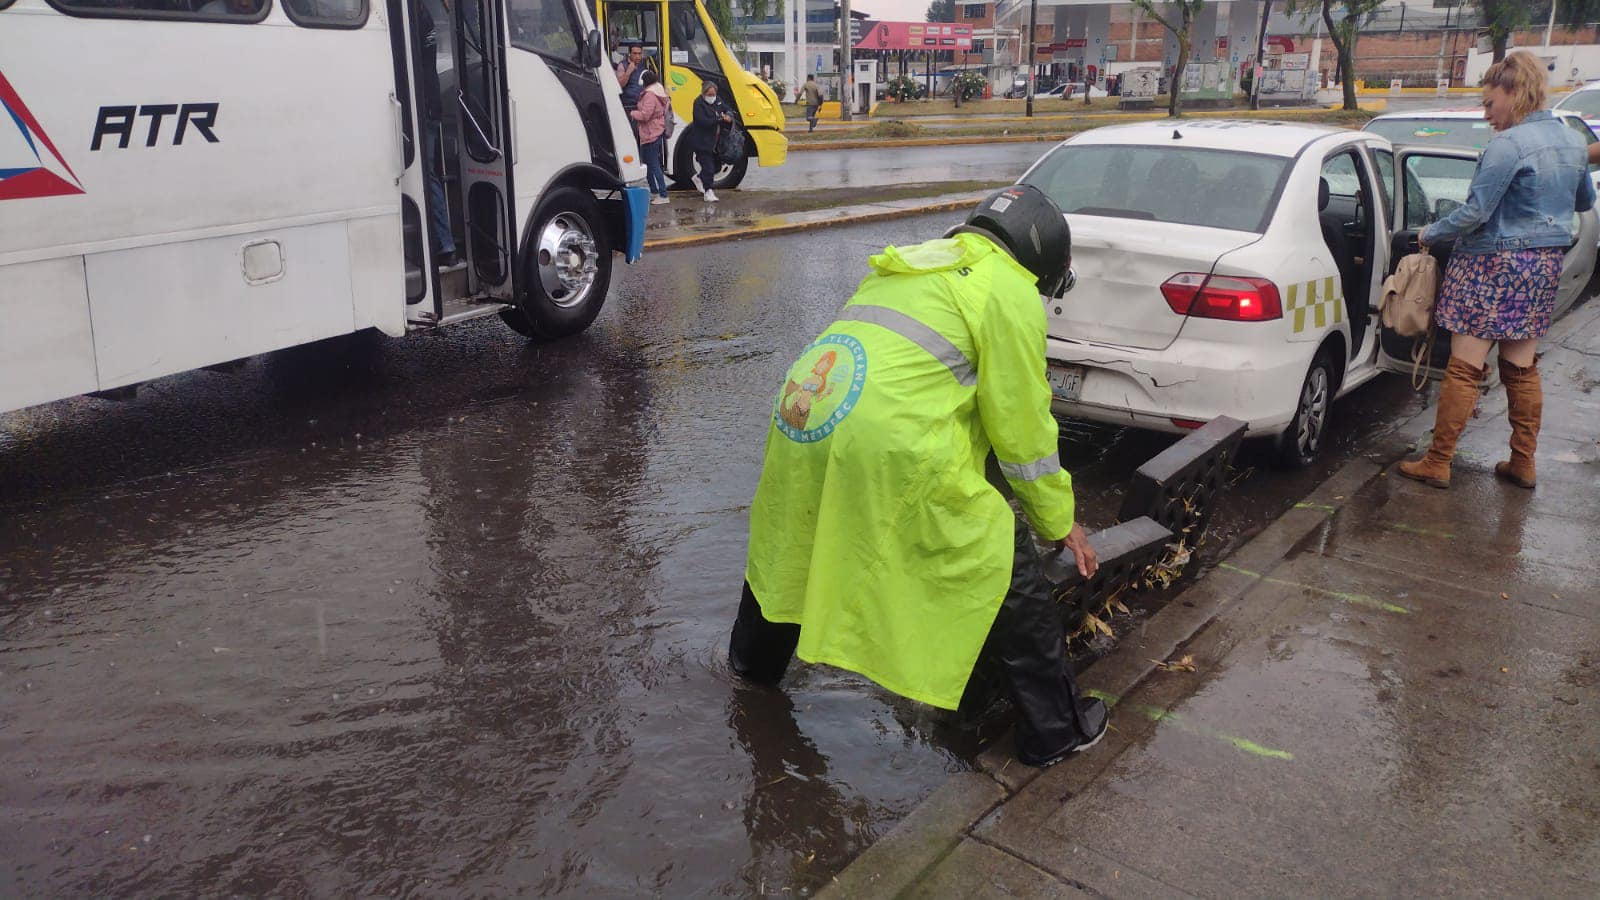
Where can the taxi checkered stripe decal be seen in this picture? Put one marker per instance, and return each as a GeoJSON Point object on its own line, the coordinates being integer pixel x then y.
{"type": "Point", "coordinates": [1306, 302]}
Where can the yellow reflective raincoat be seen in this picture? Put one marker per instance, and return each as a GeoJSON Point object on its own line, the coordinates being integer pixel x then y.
{"type": "Point", "coordinates": [874, 527]}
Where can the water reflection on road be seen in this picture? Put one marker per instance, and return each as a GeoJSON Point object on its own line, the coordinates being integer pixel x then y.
{"type": "Point", "coordinates": [447, 614]}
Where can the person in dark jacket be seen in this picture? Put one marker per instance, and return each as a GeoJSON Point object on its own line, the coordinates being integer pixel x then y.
{"type": "Point", "coordinates": [709, 115]}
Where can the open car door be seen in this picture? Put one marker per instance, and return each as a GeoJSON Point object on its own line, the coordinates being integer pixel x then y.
{"type": "Point", "coordinates": [1430, 183]}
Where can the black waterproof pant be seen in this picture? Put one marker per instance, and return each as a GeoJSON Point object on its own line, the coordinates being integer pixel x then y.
{"type": "Point", "coordinates": [708, 169]}
{"type": "Point", "coordinates": [1026, 648]}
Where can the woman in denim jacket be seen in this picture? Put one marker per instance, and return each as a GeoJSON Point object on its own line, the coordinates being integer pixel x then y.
{"type": "Point", "coordinates": [1510, 240]}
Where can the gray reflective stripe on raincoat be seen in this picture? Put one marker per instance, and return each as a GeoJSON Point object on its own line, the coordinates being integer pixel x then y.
{"type": "Point", "coordinates": [937, 345]}
{"type": "Point", "coordinates": [1033, 471]}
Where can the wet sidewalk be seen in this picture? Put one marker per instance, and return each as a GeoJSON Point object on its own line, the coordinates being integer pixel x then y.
{"type": "Point", "coordinates": [1394, 693]}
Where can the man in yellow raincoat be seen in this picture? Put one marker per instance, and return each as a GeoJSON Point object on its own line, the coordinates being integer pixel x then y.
{"type": "Point", "coordinates": [877, 543]}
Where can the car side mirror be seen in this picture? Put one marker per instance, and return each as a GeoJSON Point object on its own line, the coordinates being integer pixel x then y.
{"type": "Point", "coordinates": [592, 49]}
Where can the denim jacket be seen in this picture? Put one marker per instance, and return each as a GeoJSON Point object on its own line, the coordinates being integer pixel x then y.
{"type": "Point", "coordinates": [1529, 181]}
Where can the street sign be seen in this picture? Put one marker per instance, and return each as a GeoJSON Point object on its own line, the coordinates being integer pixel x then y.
{"type": "Point", "coordinates": [1077, 43]}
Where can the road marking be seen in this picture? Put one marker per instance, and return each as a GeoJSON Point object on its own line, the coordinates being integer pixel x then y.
{"type": "Point", "coordinates": [1343, 596]}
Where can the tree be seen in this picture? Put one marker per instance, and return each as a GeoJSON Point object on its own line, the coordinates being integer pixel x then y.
{"type": "Point", "coordinates": [730, 16]}
{"type": "Point", "coordinates": [942, 11]}
{"type": "Point", "coordinates": [1344, 31]}
{"type": "Point", "coordinates": [1501, 17]}
{"type": "Point", "coordinates": [1186, 11]}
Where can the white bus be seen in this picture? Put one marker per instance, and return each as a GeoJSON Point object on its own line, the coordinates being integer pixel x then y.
{"type": "Point", "coordinates": [189, 182]}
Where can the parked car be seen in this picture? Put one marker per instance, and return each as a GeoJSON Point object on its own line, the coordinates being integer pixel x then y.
{"type": "Point", "coordinates": [1466, 127]}
{"type": "Point", "coordinates": [1585, 101]}
{"type": "Point", "coordinates": [1018, 89]}
{"type": "Point", "coordinates": [1074, 91]}
{"type": "Point", "coordinates": [1231, 268]}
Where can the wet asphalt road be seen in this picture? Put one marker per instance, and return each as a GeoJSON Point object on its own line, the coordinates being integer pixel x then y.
{"type": "Point", "coordinates": [814, 169]}
{"type": "Point", "coordinates": [447, 614]}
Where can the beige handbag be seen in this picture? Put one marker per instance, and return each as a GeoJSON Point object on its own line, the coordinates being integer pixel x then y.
{"type": "Point", "coordinates": [1406, 306]}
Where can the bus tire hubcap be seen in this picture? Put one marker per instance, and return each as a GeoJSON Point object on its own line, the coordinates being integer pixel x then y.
{"type": "Point", "coordinates": [567, 259]}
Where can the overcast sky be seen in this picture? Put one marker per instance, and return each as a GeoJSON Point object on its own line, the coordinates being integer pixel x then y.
{"type": "Point", "coordinates": [892, 10]}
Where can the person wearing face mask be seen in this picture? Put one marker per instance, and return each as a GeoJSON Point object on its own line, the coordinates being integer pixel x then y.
{"type": "Point", "coordinates": [1500, 288]}
{"type": "Point", "coordinates": [709, 114]}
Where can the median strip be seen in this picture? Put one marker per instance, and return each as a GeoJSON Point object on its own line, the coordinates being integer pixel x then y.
{"type": "Point", "coordinates": [790, 223]}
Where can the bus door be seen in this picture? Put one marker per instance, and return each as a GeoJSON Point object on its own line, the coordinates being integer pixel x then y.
{"type": "Point", "coordinates": [405, 44]}
{"type": "Point", "coordinates": [484, 107]}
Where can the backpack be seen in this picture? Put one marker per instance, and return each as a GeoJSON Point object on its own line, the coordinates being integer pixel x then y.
{"type": "Point", "coordinates": [1406, 305]}
{"type": "Point", "coordinates": [672, 120]}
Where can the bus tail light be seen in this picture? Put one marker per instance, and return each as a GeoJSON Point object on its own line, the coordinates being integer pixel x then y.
{"type": "Point", "coordinates": [1223, 297]}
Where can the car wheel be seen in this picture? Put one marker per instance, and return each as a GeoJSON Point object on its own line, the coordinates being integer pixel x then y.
{"type": "Point", "coordinates": [566, 268]}
{"type": "Point", "coordinates": [1301, 443]}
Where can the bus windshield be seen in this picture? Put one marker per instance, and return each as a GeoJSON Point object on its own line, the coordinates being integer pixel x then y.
{"type": "Point", "coordinates": [690, 45]}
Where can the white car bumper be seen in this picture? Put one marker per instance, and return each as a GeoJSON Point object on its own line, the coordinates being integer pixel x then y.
{"type": "Point", "coordinates": [1192, 380]}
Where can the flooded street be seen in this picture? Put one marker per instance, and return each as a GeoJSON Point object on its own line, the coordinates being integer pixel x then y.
{"type": "Point", "coordinates": [448, 614]}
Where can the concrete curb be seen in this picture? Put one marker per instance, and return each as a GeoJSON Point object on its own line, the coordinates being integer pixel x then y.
{"type": "Point", "coordinates": [915, 847]}
{"type": "Point", "coordinates": [826, 218]}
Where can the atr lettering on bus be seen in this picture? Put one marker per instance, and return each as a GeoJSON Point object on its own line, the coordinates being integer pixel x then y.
{"type": "Point", "coordinates": [119, 121]}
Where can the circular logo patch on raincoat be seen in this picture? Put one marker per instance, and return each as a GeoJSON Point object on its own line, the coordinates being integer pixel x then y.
{"type": "Point", "coordinates": [822, 388]}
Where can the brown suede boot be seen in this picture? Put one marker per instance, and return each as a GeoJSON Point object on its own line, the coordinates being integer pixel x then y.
{"type": "Point", "coordinates": [1457, 396]}
{"type": "Point", "coordinates": [1525, 397]}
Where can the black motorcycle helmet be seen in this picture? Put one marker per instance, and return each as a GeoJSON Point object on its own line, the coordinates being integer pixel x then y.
{"type": "Point", "coordinates": [1023, 220]}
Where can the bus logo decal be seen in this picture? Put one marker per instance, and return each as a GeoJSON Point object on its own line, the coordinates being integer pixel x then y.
{"type": "Point", "coordinates": [24, 171]}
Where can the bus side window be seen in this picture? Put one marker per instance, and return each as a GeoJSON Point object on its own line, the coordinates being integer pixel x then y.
{"type": "Point", "coordinates": [238, 11]}
{"type": "Point", "coordinates": [327, 13]}
{"type": "Point", "coordinates": [547, 27]}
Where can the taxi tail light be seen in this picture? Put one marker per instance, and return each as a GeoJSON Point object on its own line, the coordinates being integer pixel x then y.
{"type": "Point", "coordinates": [1223, 297]}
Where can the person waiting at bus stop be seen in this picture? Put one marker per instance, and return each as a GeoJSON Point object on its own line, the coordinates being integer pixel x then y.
{"type": "Point", "coordinates": [877, 543]}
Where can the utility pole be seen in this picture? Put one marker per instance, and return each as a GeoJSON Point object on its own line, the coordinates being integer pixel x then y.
{"type": "Point", "coordinates": [1033, 33]}
{"type": "Point", "coordinates": [791, 58]}
{"type": "Point", "coordinates": [1261, 56]}
{"type": "Point", "coordinates": [847, 74]}
{"type": "Point", "coordinates": [1438, 68]}
{"type": "Point", "coordinates": [1551, 25]}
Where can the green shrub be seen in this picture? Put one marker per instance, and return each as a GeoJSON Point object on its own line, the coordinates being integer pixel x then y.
{"type": "Point", "coordinates": [901, 88]}
{"type": "Point", "coordinates": [968, 85]}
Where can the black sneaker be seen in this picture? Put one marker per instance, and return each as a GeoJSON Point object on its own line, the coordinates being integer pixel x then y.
{"type": "Point", "coordinates": [1094, 716]}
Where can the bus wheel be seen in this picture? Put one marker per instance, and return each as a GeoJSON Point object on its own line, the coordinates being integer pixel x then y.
{"type": "Point", "coordinates": [686, 178]}
{"type": "Point", "coordinates": [729, 176]}
{"type": "Point", "coordinates": [567, 267]}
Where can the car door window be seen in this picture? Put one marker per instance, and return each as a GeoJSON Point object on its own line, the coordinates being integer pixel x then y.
{"type": "Point", "coordinates": [1435, 185]}
{"type": "Point", "coordinates": [1340, 173]}
{"type": "Point", "coordinates": [1585, 132]}
{"type": "Point", "coordinates": [1384, 161]}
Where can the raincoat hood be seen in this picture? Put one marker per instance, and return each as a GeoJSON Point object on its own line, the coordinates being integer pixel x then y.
{"type": "Point", "coordinates": [658, 90]}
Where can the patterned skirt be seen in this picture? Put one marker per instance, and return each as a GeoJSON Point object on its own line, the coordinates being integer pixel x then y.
{"type": "Point", "coordinates": [1504, 296]}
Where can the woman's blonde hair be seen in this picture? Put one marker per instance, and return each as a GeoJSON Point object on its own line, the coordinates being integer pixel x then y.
{"type": "Point", "coordinates": [1522, 76]}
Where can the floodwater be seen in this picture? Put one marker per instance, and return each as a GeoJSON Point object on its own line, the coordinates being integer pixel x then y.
{"type": "Point", "coordinates": [448, 614]}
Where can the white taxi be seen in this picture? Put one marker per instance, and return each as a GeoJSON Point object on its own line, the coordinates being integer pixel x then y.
{"type": "Point", "coordinates": [1233, 268]}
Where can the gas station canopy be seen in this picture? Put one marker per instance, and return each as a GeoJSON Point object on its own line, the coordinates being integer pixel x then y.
{"type": "Point", "coordinates": [916, 36]}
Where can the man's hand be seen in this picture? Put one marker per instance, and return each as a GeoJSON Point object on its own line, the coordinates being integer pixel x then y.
{"type": "Point", "coordinates": [1077, 543]}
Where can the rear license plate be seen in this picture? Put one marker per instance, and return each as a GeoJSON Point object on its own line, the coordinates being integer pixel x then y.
{"type": "Point", "coordinates": [1066, 382]}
